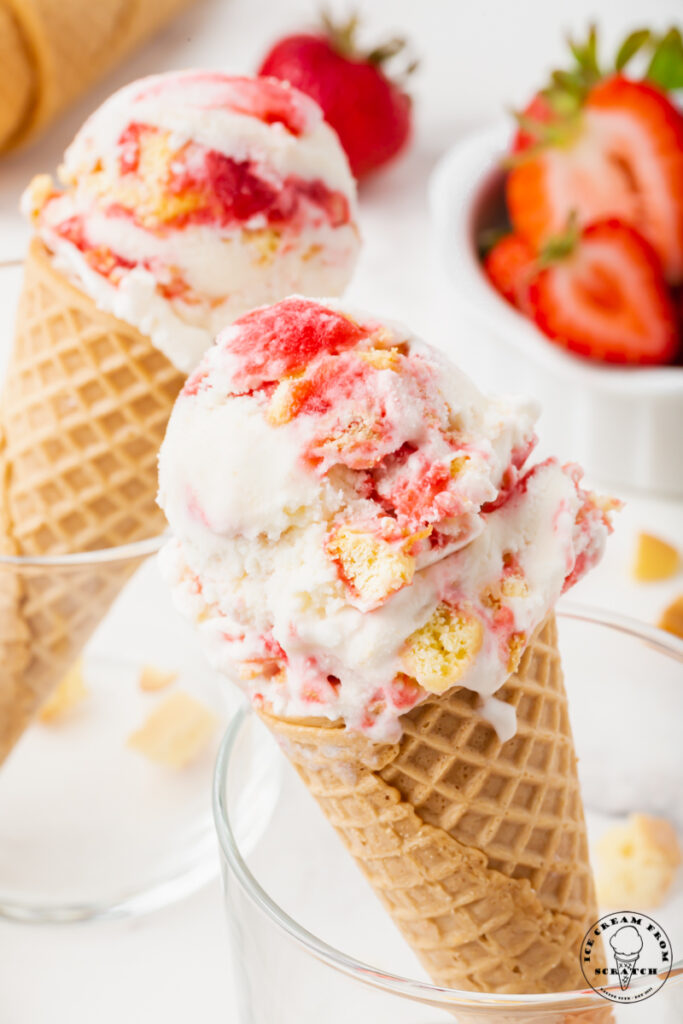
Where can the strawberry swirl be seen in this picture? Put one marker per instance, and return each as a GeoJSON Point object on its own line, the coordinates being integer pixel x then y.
{"type": "Point", "coordinates": [355, 525]}
{"type": "Point", "coordinates": [190, 197]}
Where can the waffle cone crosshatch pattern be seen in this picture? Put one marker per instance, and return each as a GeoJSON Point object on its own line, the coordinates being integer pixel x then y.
{"type": "Point", "coordinates": [85, 403]}
{"type": "Point", "coordinates": [294, 919]}
{"type": "Point", "coordinates": [485, 846]}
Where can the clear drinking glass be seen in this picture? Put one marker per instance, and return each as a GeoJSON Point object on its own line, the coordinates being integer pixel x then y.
{"type": "Point", "coordinates": [89, 826]}
{"type": "Point", "coordinates": [310, 941]}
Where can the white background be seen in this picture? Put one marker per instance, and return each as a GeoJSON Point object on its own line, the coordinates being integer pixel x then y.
{"type": "Point", "coordinates": [477, 58]}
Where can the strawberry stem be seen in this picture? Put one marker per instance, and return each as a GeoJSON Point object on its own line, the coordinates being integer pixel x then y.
{"type": "Point", "coordinates": [568, 89]}
{"type": "Point", "coordinates": [586, 56]}
{"type": "Point", "coordinates": [559, 247]}
{"type": "Point", "coordinates": [386, 51]}
{"type": "Point", "coordinates": [630, 47]}
{"type": "Point", "coordinates": [342, 34]}
{"type": "Point", "coordinates": [343, 37]}
{"type": "Point", "coordinates": [666, 65]}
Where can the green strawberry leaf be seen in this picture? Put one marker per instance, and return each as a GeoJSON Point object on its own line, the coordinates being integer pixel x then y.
{"type": "Point", "coordinates": [586, 55]}
{"type": "Point", "coordinates": [562, 245]}
{"type": "Point", "coordinates": [666, 66]}
{"type": "Point", "coordinates": [630, 46]}
{"type": "Point", "coordinates": [386, 51]}
{"type": "Point", "coordinates": [567, 90]}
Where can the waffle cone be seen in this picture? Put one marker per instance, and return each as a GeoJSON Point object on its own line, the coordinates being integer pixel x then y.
{"type": "Point", "coordinates": [477, 848]}
{"type": "Point", "coordinates": [52, 51]}
{"type": "Point", "coordinates": [84, 409]}
{"type": "Point", "coordinates": [16, 77]}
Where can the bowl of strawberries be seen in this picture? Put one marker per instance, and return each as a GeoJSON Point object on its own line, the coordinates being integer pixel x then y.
{"type": "Point", "coordinates": [561, 235]}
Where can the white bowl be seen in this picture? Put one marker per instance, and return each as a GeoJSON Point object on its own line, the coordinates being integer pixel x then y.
{"type": "Point", "coordinates": [625, 426]}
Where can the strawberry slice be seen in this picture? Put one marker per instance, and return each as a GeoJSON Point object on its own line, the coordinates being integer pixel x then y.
{"type": "Point", "coordinates": [605, 297]}
{"type": "Point", "coordinates": [621, 156]}
{"type": "Point", "coordinates": [509, 266]}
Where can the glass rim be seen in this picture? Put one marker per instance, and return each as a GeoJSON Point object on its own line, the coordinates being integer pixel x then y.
{"type": "Point", "coordinates": [118, 553]}
{"type": "Point", "coordinates": [418, 991]}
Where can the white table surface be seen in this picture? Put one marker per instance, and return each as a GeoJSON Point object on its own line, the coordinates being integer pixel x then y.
{"type": "Point", "coordinates": [173, 966]}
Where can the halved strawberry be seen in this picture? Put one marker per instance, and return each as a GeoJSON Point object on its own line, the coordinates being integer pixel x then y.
{"type": "Point", "coordinates": [509, 265]}
{"type": "Point", "coordinates": [602, 145]}
{"type": "Point", "coordinates": [605, 297]}
{"type": "Point", "coordinates": [622, 157]}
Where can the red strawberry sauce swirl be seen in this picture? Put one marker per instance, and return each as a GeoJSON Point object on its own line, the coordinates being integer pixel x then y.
{"type": "Point", "coordinates": [265, 99]}
{"type": "Point", "coordinates": [283, 339]}
{"type": "Point", "coordinates": [227, 191]}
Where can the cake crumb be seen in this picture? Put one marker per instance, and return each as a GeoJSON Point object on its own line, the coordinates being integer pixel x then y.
{"type": "Point", "coordinates": [671, 618]}
{"type": "Point", "coordinates": [438, 653]}
{"type": "Point", "coordinates": [70, 692]}
{"type": "Point", "coordinates": [176, 732]}
{"type": "Point", "coordinates": [655, 559]}
{"type": "Point", "coordinates": [152, 679]}
{"type": "Point", "coordinates": [637, 862]}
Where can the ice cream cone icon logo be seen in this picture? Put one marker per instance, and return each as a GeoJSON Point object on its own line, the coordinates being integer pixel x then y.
{"type": "Point", "coordinates": [626, 946]}
{"type": "Point", "coordinates": [639, 946]}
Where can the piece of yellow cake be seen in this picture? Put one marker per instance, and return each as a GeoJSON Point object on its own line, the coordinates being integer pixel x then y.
{"type": "Point", "coordinates": [438, 653]}
{"type": "Point", "coordinates": [175, 732]}
{"type": "Point", "coordinates": [654, 559]}
{"type": "Point", "coordinates": [636, 863]}
{"type": "Point", "coordinates": [375, 567]}
{"type": "Point", "coordinates": [69, 693]}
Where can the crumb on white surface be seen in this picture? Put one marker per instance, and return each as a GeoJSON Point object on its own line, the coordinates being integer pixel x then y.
{"type": "Point", "coordinates": [68, 693]}
{"type": "Point", "coordinates": [176, 732]}
{"type": "Point", "coordinates": [637, 862]}
{"type": "Point", "coordinates": [152, 679]}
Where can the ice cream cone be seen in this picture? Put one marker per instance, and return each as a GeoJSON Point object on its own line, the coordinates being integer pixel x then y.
{"type": "Point", "coordinates": [51, 52]}
{"type": "Point", "coordinates": [356, 573]}
{"type": "Point", "coordinates": [85, 404]}
{"type": "Point", "coordinates": [476, 847]}
{"type": "Point", "coordinates": [625, 966]}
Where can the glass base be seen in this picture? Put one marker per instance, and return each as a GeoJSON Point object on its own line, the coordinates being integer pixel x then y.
{"type": "Point", "coordinates": [90, 828]}
{"type": "Point", "coordinates": [327, 896]}
{"type": "Point", "coordinates": [302, 915]}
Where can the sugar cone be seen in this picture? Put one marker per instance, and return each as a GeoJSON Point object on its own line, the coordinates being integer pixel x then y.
{"type": "Point", "coordinates": [52, 50]}
{"type": "Point", "coordinates": [477, 848]}
{"type": "Point", "coordinates": [84, 409]}
{"type": "Point", "coordinates": [16, 77]}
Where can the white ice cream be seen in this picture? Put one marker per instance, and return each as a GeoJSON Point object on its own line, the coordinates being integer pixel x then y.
{"type": "Point", "coordinates": [191, 197]}
{"type": "Point", "coordinates": [348, 510]}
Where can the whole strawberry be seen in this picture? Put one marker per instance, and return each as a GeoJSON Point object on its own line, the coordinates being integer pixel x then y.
{"type": "Point", "coordinates": [369, 111]}
{"type": "Point", "coordinates": [598, 144]}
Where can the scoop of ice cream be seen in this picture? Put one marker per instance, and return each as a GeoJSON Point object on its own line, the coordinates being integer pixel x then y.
{"type": "Point", "coordinates": [193, 196]}
{"type": "Point", "coordinates": [355, 526]}
{"type": "Point", "coordinates": [626, 941]}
